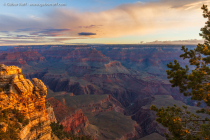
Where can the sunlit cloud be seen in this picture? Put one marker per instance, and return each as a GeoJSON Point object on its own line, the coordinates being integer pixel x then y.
{"type": "Point", "coordinates": [90, 26]}
{"type": "Point", "coordinates": [180, 42]}
{"type": "Point", "coordinates": [183, 3]}
{"type": "Point", "coordinates": [128, 19]}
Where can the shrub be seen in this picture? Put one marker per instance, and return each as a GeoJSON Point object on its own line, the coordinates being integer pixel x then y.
{"type": "Point", "coordinates": [20, 117]}
{"type": "Point", "coordinates": [25, 122]}
{"type": "Point", "coordinates": [11, 134]}
{"type": "Point", "coordinates": [5, 113]}
{"type": "Point", "coordinates": [47, 104]}
{"type": "Point", "coordinates": [1, 117]}
{"type": "Point", "coordinates": [15, 111]}
{"type": "Point", "coordinates": [6, 88]}
{"type": "Point", "coordinates": [33, 128]}
{"type": "Point", "coordinates": [17, 125]}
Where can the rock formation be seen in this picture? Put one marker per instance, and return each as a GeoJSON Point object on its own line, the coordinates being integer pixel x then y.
{"type": "Point", "coordinates": [20, 58]}
{"type": "Point", "coordinates": [95, 56]}
{"type": "Point", "coordinates": [20, 95]}
{"type": "Point", "coordinates": [130, 73]}
{"type": "Point", "coordinates": [71, 119]}
{"type": "Point", "coordinates": [51, 114]}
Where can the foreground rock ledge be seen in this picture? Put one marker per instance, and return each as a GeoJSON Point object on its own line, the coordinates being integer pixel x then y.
{"type": "Point", "coordinates": [20, 94]}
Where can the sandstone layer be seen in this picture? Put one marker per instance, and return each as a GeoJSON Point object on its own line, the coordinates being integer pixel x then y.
{"type": "Point", "coordinates": [18, 93]}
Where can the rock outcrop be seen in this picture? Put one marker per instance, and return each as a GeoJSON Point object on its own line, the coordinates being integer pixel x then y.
{"type": "Point", "coordinates": [51, 114]}
{"type": "Point", "coordinates": [19, 94]}
{"type": "Point", "coordinates": [72, 120]}
{"type": "Point", "coordinates": [95, 56]}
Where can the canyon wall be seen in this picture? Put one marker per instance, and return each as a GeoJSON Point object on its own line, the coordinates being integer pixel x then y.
{"type": "Point", "coordinates": [26, 100]}
{"type": "Point", "coordinates": [72, 120]}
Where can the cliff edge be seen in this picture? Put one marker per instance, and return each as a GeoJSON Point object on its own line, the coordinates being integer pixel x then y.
{"type": "Point", "coordinates": [22, 106]}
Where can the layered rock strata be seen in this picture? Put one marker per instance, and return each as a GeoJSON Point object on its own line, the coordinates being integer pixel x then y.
{"type": "Point", "coordinates": [72, 120]}
{"type": "Point", "coordinates": [18, 93]}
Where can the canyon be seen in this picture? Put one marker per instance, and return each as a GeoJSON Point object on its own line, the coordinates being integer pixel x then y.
{"type": "Point", "coordinates": [92, 84]}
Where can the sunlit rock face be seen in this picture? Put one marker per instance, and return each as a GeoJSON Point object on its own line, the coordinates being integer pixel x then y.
{"type": "Point", "coordinates": [29, 99]}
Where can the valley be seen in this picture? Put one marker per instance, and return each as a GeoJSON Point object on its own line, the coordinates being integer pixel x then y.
{"type": "Point", "coordinates": [107, 89]}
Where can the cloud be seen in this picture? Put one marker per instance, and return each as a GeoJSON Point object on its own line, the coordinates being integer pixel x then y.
{"type": "Point", "coordinates": [132, 19]}
{"type": "Point", "coordinates": [182, 42]}
{"type": "Point", "coordinates": [90, 26]}
{"type": "Point", "coordinates": [26, 29]}
{"type": "Point", "coordinates": [66, 39]}
{"type": "Point", "coordinates": [50, 32]}
{"type": "Point", "coordinates": [12, 23]}
{"type": "Point", "coordinates": [93, 26]}
{"type": "Point", "coordinates": [22, 36]}
{"type": "Point", "coordinates": [27, 40]}
{"type": "Point", "coordinates": [4, 31]}
{"type": "Point", "coordinates": [136, 19]}
{"type": "Point", "coordinates": [86, 33]}
{"type": "Point", "coordinates": [183, 3]}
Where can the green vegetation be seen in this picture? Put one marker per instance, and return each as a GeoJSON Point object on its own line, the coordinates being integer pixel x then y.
{"type": "Point", "coordinates": [6, 88]}
{"type": "Point", "coordinates": [47, 104]}
{"type": "Point", "coordinates": [15, 111]}
{"type": "Point", "coordinates": [25, 122]}
{"type": "Point", "coordinates": [167, 100]}
{"type": "Point", "coordinates": [5, 113]}
{"type": "Point", "coordinates": [20, 117]}
{"type": "Point", "coordinates": [13, 127]}
{"type": "Point", "coordinates": [11, 133]}
{"type": "Point", "coordinates": [33, 128]}
{"type": "Point", "coordinates": [13, 119]}
{"type": "Point", "coordinates": [57, 129]}
{"type": "Point", "coordinates": [182, 124]}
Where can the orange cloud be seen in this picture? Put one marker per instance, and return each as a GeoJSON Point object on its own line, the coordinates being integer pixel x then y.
{"type": "Point", "coordinates": [132, 19]}
{"type": "Point", "coordinates": [124, 20]}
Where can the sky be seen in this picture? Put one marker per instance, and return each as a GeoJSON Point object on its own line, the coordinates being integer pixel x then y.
{"type": "Point", "coordinates": [63, 22]}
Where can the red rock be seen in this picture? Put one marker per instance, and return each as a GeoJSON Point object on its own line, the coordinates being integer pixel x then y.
{"type": "Point", "coordinates": [71, 119]}
{"type": "Point", "coordinates": [20, 58]}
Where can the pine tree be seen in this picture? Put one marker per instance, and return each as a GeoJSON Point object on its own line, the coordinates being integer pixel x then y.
{"type": "Point", "coordinates": [182, 124]}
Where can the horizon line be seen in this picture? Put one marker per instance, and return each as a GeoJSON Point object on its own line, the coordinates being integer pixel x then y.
{"type": "Point", "coordinates": [89, 44]}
